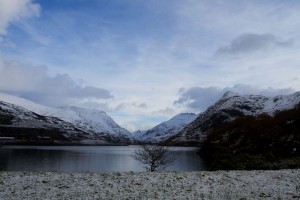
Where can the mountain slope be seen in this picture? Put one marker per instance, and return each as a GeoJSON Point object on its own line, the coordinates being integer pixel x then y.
{"type": "Point", "coordinates": [228, 108]}
{"type": "Point", "coordinates": [88, 120]}
{"type": "Point", "coordinates": [27, 127]}
{"type": "Point", "coordinates": [255, 142]}
{"type": "Point", "coordinates": [166, 129]}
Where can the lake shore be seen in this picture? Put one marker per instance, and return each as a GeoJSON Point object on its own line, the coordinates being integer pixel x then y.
{"type": "Point", "coordinates": [284, 184]}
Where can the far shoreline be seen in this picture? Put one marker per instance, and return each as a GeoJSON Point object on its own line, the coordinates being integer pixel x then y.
{"type": "Point", "coordinates": [80, 144]}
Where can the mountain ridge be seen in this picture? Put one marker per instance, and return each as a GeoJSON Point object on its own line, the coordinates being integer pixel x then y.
{"type": "Point", "coordinates": [94, 122]}
{"type": "Point", "coordinates": [25, 125]}
{"type": "Point", "coordinates": [182, 129]}
{"type": "Point", "coordinates": [230, 106]}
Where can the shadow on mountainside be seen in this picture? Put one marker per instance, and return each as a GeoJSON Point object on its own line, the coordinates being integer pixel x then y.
{"type": "Point", "coordinates": [261, 142]}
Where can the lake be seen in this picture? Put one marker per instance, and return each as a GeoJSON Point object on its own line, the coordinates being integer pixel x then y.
{"type": "Point", "coordinates": [89, 159]}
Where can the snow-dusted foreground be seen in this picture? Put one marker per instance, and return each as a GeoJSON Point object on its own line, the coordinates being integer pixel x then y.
{"type": "Point", "coordinates": [282, 184]}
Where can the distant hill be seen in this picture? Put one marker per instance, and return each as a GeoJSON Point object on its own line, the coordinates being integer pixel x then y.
{"type": "Point", "coordinates": [165, 130]}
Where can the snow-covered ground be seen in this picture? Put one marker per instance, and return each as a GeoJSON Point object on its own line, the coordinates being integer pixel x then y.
{"type": "Point", "coordinates": [281, 184]}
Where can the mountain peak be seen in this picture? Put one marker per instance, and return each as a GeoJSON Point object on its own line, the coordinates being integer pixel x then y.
{"type": "Point", "coordinates": [230, 94]}
{"type": "Point", "coordinates": [182, 116]}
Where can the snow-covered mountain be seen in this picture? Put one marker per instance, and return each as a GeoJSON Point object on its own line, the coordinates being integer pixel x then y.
{"type": "Point", "coordinates": [89, 119]}
{"type": "Point", "coordinates": [26, 126]}
{"type": "Point", "coordinates": [166, 129]}
{"type": "Point", "coordinates": [228, 108]}
{"type": "Point", "coordinates": [93, 121]}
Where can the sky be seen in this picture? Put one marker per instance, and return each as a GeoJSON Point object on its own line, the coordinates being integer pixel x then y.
{"type": "Point", "coordinates": [143, 62]}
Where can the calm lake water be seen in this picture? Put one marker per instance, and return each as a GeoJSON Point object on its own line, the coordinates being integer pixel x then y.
{"type": "Point", "coordinates": [88, 159]}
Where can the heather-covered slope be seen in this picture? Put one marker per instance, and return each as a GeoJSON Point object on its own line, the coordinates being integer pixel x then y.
{"type": "Point", "coordinates": [256, 142]}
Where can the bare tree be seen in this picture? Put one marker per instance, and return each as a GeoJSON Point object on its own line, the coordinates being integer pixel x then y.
{"type": "Point", "coordinates": [153, 157]}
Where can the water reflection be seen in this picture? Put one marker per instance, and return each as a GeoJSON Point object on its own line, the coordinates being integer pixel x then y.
{"type": "Point", "coordinates": [87, 159]}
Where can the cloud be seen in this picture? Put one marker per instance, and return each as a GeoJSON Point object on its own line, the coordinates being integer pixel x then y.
{"type": "Point", "coordinates": [200, 98]}
{"type": "Point", "coordinates": [130, 106]}
{"type": "Point", "coordinates": [35, 84]}
{"type": "Point", "coordinates": [95, 105]}
{"type": "Point", "coordinates": [250, 42]}
{"type": "Point", "coordinates": [143, 105]}
{"type": "Point", "coordinates": [166, 111]}
{"type": "Point", "coordinates": [14, 10]}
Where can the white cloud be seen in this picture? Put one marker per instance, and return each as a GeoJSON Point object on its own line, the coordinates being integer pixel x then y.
{"type": "Point", "coordinates": [234, 17]}
{"type": "Point", "coordinates": [35, 84]}
{"type": "Point", "coordinates": [250, 42]}
{"type": "Point", "coordinates": [200, 98]}
{"type": "Point", "coordinates": [165, 112]}
{"type": "Point", "coordinates": [14, 10]}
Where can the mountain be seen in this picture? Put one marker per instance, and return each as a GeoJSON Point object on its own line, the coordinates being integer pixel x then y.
{"type": "Point", "coordinates": [137, 135]}
{"type": "Point", "coordinates": [228, 108]}
{"type": "Point", "coordinates": [28, 127]}
{"type": "Point", "coordinates": [255, 142]}
{"type": "Point", "coordinates": [89, 119]}
{"type": "Point", "coordinates": [94, 122]}
{"type": "Point", "coordinates": [166, 129]}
